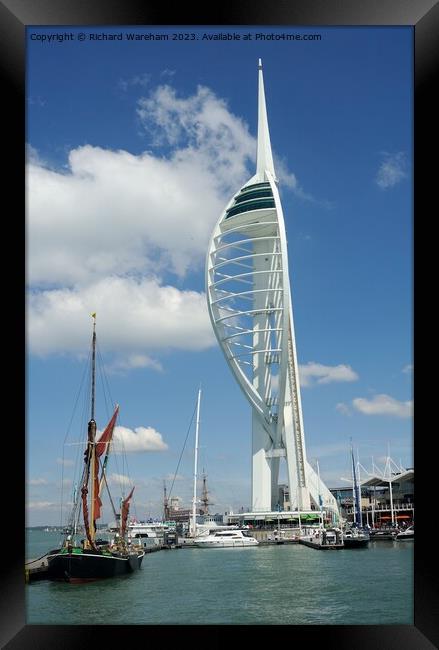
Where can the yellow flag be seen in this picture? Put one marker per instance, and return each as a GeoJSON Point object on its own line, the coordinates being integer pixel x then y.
{"type": "Point", "coordinates": [93, 315]}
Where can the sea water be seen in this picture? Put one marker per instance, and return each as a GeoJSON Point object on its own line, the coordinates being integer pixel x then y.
{"type": "Point", "coordinates": [287, 584]}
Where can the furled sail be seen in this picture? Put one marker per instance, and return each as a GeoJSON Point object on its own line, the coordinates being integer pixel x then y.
{"type": "Point", "coordinates": [102, 446]}
{"type": "Point", "coordinates": [124, 513]}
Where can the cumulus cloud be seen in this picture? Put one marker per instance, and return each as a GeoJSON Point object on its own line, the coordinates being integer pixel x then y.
{"type": "Point", "coordinates": [203, 128]}
{"type": "Point", "coordinates": [175, 477]}
{"type": "Point", "coordinates": [137, 80]}
{"type": "Point", "coordinates": [134, 315]}
{"type": "Point", "coordinates": [37, 481]}
{"type": "Point", "coordinates": [41, 505]}
{"type": "Point", "coordinates": [116, 213]}
{"type": "Point", "coordinates": [383, 405]}
{"type": "Point", "coordinates": [392, 170]}
{"type": "Point", "coordinates": [316, 373]}
{"type": "Point", "coordinates": [343, 408]}
{"type": "Point", "coordinates": [119, 479]}
{"type": "Point", "coordinates": [141, 439]}
{"type": "Point", "coordinates": [65, 461]}
{"type": "Point", "coordinates": [105, 231]}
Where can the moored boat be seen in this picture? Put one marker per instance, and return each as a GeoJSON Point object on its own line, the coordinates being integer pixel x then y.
{"type": "Point", "coordinates": [92, 558]}
{"type": "Point", "coordinates": [383, 534]}
{"type": "Point", "coordinates": [355, 538]}
{"type": "Point", "coordinates": [323, 539]}
{"type": "Point", "coordinates": [226, 539]}
{"type": "Point", "coordinates": [406, 535]}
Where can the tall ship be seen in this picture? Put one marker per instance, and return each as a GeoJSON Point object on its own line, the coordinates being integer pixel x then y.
{"type": "Point", "coordinates": [92, 558]}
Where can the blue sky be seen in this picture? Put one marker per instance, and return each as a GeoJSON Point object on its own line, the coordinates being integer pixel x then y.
{"type": "Point", "coordinates": [134, 148]}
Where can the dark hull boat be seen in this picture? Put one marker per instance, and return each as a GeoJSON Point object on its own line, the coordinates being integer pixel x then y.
{"type": "Point", "coordinates": [84, 566]}
{"type": "Point", "coordinates": [93, 558]}
{"type": "Point", "coordinates": [356, 542]}
{"type": "Point", "coordinates": [382, 534]}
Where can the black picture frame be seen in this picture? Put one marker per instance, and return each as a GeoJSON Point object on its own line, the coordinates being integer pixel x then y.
{"type": "Point", "coordinates": [423, 16]}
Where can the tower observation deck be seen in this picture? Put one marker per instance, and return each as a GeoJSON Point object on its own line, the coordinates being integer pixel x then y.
{"type": "Point", "coordinates": [250, 307]}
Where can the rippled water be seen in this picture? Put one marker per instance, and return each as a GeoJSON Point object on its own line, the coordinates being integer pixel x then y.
{"type": "Point", "coordinates": [289, 584]}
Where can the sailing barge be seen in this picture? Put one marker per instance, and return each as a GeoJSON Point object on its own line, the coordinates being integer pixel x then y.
{"type": "Point", "coordinates": [94, 559]}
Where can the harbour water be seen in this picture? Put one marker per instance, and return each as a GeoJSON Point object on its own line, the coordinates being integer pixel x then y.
{"type": "Point", "coordinates": [279, 585]}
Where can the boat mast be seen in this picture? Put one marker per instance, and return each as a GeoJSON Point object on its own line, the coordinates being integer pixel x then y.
{"type": "Point", "coordinates": [205, 496]}
{"type": "Point", "coordinates": [92, 432]}
{"type": "Point", "coordinates": [320, 496]}
{"type": "Point", "coordinates": [194, 499]}
{"type": "Point", "coordinates": [356, 493]}
{"type": "Point", "coordinates": [165, 503]}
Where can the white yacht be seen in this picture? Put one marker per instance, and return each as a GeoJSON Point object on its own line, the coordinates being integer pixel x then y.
{"type": "Point", "coordinates": [145, 534]}
{"type": "Point", "coordinates": [225, 539]}
{"type": "Point", "coordinates": [407, 534]}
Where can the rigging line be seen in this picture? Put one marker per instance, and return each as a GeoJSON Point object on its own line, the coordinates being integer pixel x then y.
{"type": "Point", "coordinates": [105, 383]}
{"type": "Point", "coordinates": [107, 393]}
{"type": "Point", "coordinates": [109, 495]}
{"type": "Point", "coordinates": [102, 385]}
{"type": "Point", "coordinates": [184, 445]}
{"type": "Point", "coordinates": [66, 436]}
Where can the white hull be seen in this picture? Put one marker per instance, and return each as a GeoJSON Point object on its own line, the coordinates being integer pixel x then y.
{"type": "Point", "coordinates": [225, 543]}
{"type": "Point", "coordinates": [226, 539]}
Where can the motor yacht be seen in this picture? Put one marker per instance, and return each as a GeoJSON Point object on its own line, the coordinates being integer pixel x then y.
{"type": "Point", "coordinates": [407, 534]}
{"type": "Point", "coordinates": [226, 539]}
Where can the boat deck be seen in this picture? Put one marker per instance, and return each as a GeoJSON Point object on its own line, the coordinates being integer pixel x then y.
{"type": "Point", "coordinates": [321, 547]}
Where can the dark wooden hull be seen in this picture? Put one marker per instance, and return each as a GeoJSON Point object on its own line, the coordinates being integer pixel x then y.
{"type": "Point", "coordinates": [89, 566]}
{"type": "Point", "coordinates": [355, 543]}
{"type": "Point", "coordinates": [384, 537]}
{"type": "Point", "coordinates": [321, 547]}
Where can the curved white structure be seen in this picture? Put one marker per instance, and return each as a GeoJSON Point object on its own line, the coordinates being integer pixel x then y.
{"type": "Point", "coordinates": [249, 302]}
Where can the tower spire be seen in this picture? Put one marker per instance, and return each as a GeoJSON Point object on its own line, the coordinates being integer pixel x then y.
{"type": "Point", "coordinates": [264, 157]}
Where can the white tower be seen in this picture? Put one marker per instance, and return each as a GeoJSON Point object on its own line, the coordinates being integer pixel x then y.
{"type": "Point", "coordinates": [249, 302]}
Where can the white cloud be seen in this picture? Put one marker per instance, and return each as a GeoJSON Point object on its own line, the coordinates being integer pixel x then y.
{"type": "Point", "coordinates": [392, 170]}
{"type": "Point", "coordinates": [175, 477]}
{"type": "Point", "coordinates": [104, 231]}
{"type": "Point", "coordinates": [383, 405]}
{"type": "Point", "coordinates": [141, 439]}
{"type": "Point", "coordinates": [313, 373]}
{"type": "Point", "coordinates": [41, 505]}
{"type": "Point", "coordinates": [116, 213]}
{"type": "Point", "coordinates": [137, 80]}
{"type": "Point", "coordinates": [132, 315]}
{"type": "Point", "coordinates": [119, 479]}
{"type": "Point", "coordinates": [408, 369]}
{"type": "Point", "coordinates": [204, 128]}
{"type": "Point", "coordinates": [65, 461]}
{"type": "Point", "coordinates": [37, 481]}
{"type": "Point", "coordinates": [134, 361]}
{"type": "Point", "coordinates": [343, 408]}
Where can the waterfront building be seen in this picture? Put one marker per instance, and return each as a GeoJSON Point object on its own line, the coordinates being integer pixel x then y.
{"type": "Point", "coordinates": [250, 307]}
{"type": "Point", "coordinates": [386, 498]}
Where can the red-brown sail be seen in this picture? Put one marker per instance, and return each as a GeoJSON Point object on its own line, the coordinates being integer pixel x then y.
{"type": "Point", "coordinates": [105, 438]}
{"type": "Point", "coordinates": [101, 446]}
{"type": "Point", "coordinates": [124, 513]}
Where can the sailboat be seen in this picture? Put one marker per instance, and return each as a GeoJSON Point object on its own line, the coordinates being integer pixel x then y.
{"type": "Point", "coordinates": [92, 558]}
{"type": "Point", "coordinates": [209, 525]}
{"type": "Point", "coordinates": [356, 536]}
